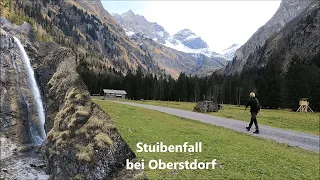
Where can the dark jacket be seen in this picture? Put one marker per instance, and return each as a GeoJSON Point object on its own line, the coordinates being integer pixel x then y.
{"type": "Point", "coordinates": [254, 105]}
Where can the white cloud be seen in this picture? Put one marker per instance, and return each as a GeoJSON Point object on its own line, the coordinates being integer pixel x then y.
{"type": "Point", "coordinates": [219, 23]}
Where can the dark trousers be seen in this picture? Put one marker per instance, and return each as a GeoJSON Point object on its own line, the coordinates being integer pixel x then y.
{"type": "Point", "coordinates": [254, 120]}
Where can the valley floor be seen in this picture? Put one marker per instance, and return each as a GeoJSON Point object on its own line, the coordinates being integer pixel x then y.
{"type": "Point", "coordinates": [239, 155]}
{"type": "Point", "coordinates": [284, 118]}
{"type": "Point", "coordinates": [302, 140]}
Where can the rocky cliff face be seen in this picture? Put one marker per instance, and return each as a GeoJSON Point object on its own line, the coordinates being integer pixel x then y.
{"type": "Point", "coordinates": [190, 40]}
{"type": "Point", "coordinates": [17, 106]}
{"type": "Point", "coordinates": [95, 7]}
{"type": "Point", "coordinates": [17, 103]}
{"type": "Point", "coordinates": [136, 23]}
{"type": "Point", "coordinates": [299, 38]}
{"type": "Point", "coordinates": [287, 11]}
{"type": "Point", "coordinates": [82, 141]}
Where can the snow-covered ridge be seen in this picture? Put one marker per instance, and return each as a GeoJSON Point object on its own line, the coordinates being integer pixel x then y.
{"type": "Point", "coordinates": [184, 40]}
{"type": "Point", "coordinates": [180, 47]}
{"type": "Point", "coordinates": [229, 53]}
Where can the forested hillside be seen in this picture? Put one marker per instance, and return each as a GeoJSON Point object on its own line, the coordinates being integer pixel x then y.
{"type": "Point", "coordinates": [99, 43]}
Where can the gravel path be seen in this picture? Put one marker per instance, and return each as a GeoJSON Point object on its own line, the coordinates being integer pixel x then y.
{"type": "Point", "coordinates": [302, 140]}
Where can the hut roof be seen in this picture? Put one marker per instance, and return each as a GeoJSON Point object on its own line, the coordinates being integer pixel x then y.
{"type": "Point", "coordinates": [112, 91]}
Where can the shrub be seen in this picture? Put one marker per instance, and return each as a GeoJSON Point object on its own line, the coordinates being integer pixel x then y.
{"type": "Point", "coordinates": [85, 153]}
{"type": "Point", "coordinates": [102, 140]}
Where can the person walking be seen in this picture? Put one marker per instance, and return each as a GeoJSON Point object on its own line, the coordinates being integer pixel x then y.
{"type": "Point", "coordinates": [253, 102]}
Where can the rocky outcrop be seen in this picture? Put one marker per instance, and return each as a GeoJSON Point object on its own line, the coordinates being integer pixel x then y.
{"type": "Point", "coordinates": [287, 11]}
{"type": "Point", "coordinates": [82, 141]}
{"type": "Point", "coordinates": [138, 24]}
{"type": "Point", "coordinates": [207, 106]}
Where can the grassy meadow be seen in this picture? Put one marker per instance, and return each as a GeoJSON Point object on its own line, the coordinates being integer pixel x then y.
{"type": "Point", "coordinates": [239, 155]}
{"type": "Point", "coordinates": [285, 118]}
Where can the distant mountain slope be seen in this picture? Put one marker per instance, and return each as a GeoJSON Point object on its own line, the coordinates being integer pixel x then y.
{"type": "Point", "coordinates": [189, 39]}
{"type": "Point", "coordinates": [174, 62]}
{"type": "Point", "coordinates": [136, 23]}
{"type": "Point", "coordinates": [298, 39]}
{"type": "Point", "coordinates": [230, 52]}
{"type": "Point", "coordinates": [94, 7]}
{"type": "Point", "coordinates": [285, 13]}
{"type": "Point", "coordinates": [98, 40]}
{"type": "Point", "coordinates": [184, 40]}
{"type": "Point", "coordinates": [182, 52]}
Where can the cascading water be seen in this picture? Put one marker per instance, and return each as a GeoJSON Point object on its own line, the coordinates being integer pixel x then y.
{"type": "Point", "coordinates": [38, 134]}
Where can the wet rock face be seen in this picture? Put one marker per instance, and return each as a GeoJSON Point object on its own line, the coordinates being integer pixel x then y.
{"type": "Point", "coordinates": [82, 141]}
{"type": "Point", "coordinates": [207, 106]}
{"type": "Point", "coordinates": [6, 41]}
{"type": "Point", "coordinates": [17, 104]}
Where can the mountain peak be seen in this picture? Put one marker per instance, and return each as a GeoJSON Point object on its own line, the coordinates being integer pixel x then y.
{"type": "Point", "coordinates": [139, 24]}
{"type": "Point", "coordinates": [130, 12]}
{"type": "Point", "coordinates": [186, 32]}
{"type": "Point", "coordinates": [189, 39]}
{"type": "Point", "coordinates": [135, 23]}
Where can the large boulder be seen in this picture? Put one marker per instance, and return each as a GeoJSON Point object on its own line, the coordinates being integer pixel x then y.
{"type": "Point", "coordinates": [207, 106]}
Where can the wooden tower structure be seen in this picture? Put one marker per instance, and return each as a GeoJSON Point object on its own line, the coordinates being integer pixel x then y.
{"type": "Point", "coordinates": [304, 105]}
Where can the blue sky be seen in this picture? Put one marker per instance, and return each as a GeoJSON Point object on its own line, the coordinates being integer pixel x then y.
{"type": "Point", "coordinates": [219, 23]}
{"type": "Point", "coordinates": [123, 6]}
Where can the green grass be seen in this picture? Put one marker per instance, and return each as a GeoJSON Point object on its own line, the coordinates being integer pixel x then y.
{"type": "Point", "coordinates": [286, 119]}
{"type": "Point", "coordinates": [240, 156]}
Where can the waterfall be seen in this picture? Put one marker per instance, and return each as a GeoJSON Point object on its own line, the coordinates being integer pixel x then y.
{"type": "Point", "coordinates": [37, 133]}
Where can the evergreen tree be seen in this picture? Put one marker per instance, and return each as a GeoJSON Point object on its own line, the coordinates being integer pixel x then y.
{"type": "Point", "coordinates": [273, 77]}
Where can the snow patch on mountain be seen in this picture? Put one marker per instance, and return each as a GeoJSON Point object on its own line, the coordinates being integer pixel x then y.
{"type": "Point", "coordinates": [184, 40]}
{"type": "Point", "coordinates": [161, 33]}
{"type": "Point", "coordinates": [230, 52]}
{"type": "Point", "coordinates": [191, 37]}
{"type": "Point", "coordinates": [129, 32]}
{"type": "Point", "coordinates": [180, 47]}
